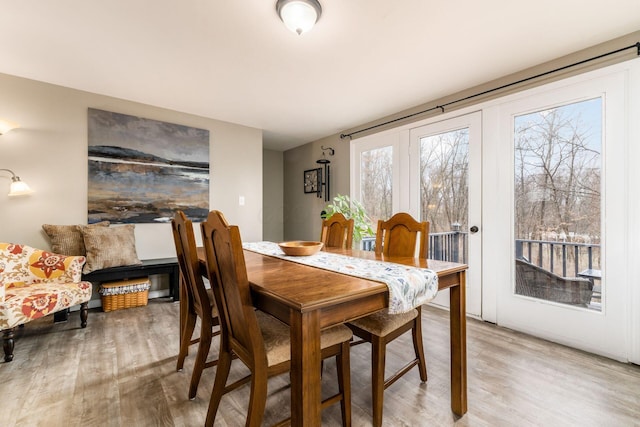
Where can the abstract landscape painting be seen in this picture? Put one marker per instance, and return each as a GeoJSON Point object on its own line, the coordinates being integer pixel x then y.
{"type": "Point", "coordinates": [142, 170]}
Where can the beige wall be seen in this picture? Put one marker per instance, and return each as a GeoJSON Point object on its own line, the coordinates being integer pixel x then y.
{"type": "Point", "coordinates": [49, 152]}
{"type": "Point", "coordinates": [302, 211]}
{"type": "Point", "coordinates": [272, 183]}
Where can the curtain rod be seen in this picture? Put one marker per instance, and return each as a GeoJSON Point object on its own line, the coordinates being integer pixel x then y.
{"type": "Point", "coordinates": [526, 79]}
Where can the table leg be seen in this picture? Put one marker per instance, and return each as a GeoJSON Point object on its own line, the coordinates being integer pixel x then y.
{"type": "Point", "coordinates": [305, 369]}
{"type": "Point", "coordinates": [458, 332]}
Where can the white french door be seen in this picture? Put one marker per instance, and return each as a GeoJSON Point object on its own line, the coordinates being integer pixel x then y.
{"type": "Point", "coordinates": [446, 179]}
{"type": "Point", "coordinates": [556, 167]}
{"type": "Point", "coordinates": [523, 201]}
{"type": "Point", "coordinates": [411, 170]}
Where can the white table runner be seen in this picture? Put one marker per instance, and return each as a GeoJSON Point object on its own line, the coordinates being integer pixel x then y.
{"type": "Point", "coordinates": [409, 287]}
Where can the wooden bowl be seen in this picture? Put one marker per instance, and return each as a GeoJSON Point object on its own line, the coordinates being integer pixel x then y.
{"type": "Point", "coordinates": [300, 248]}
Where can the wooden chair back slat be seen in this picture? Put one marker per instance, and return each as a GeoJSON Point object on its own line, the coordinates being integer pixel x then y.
{"type": "Point", "coordinates": [195, 302]}
{"type": "Point", "coordinates": [228, 276]}
{"type": "Point", "coordinates": [337, 232]}
{"type": "Point", "coordinates": [399, 234]}
{"type": "Point", "coordinates": [187, 255]}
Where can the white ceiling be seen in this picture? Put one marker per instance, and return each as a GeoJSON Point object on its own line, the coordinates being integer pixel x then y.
{"type": "Point", "coordinates": [234, 60]}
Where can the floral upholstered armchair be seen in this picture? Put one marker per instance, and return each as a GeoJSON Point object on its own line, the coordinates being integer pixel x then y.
{"type": "Point", "coordinates": [35, 283]}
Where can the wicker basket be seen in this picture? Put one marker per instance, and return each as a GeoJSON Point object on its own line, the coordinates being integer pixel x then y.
{"type": "Point", "coordinates": [125, 294]}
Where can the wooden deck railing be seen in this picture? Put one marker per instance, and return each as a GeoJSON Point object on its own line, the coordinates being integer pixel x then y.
{"type": "Point", "coordinates": [566, 259]}
{"type": "Point", "coordinates": [448, 246]}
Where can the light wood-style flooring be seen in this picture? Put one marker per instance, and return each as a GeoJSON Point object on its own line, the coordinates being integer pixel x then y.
{"type": "Point", "coordinates": [120, 371]}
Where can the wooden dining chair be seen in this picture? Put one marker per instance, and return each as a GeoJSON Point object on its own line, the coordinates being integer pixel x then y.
{"type": "Point", "coordinates": [259, 340]}
{"type": "Point", "coordinates": [337, 232]}
{"type": "Point", "coordinates": [196, 302]}
{"type": "Point", "coordinates": [396, 237]}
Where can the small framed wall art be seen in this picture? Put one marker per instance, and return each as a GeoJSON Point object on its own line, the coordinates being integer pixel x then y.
{"type": "Point", "coordinates": [313, 180]}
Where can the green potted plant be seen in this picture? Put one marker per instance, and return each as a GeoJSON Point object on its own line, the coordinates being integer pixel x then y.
{"type": "Point", "coordinates": [351, 209]}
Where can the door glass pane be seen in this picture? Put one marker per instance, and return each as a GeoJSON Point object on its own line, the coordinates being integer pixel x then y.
{"type": "Point", "coordinates": [376, 183]}
{"type": "Point", "coordinates": [444, 202]}
{"type": "Point", "coordinates": [557, 203]}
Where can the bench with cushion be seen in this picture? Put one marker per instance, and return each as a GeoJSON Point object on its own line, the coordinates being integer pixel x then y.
{"type": "Point", "coordinates": [147, 267]}
{"type": "Point", "coordinates": [111, 254]}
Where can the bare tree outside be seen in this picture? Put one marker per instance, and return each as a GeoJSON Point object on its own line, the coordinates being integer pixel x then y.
{"type": "Point", "coordinates": [376, 183]}
{"type": "Point", "coordinates": [444, 174]}
{"type": "Point", "coordinates": [557, 179]}
{"type": "Point", "coordinates": [557, 176]}
{"type": "Point", "coordinates": [444, 199]}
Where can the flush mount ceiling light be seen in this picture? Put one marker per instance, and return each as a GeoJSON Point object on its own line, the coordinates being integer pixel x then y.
{"type": "Point", "coordinates": [299, 15]}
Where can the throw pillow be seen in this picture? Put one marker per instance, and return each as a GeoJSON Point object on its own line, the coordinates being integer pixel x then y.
{"type": "Point", "coordinates": [109, 247]}
{"type": "Point", "coordinates": [67, 239]}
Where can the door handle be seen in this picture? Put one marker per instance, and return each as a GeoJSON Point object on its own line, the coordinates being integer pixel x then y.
{"type": "Point", "coordinates": [473, 229]}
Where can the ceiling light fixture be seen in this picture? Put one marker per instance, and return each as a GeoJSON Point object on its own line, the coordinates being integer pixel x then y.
{"type": "Point", "coordinates": [6, 126]}
{"type": "Point", "coordinates": [299, 15]}
{"type": "Point", "coordinates": [18, 187]}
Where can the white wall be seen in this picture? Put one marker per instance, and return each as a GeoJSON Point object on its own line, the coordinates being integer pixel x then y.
{"type": "Point", "coordinates": [49, 152]}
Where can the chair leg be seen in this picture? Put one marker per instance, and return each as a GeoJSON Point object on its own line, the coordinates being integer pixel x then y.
{"type": "Point", "coordinates": [183, 306]}
{"type": "Point", "coordinates": [7, 344]}
{"type": "Point", "coordinates": [84, 314]}
{"type": "Point", "coordinates": [418, 347]}
{"type": "Point", "coordinates": [201, 358]}
{"type": "Point", "coordinates": [185, 339]}
{"type": "Point", "coordinates": [258, 398]}
{"type": "Point", "coordinates": [344, 382]}
{"type": "Point", "coordinates": [378, 350]}
{"type": "Point", "coordinates": [222, 373]}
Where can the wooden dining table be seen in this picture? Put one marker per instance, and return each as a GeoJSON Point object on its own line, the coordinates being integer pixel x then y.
{"type": "Point", "coordinates": [310, 299]}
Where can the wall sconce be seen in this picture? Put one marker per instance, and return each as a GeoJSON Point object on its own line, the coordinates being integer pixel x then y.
{"type": "Point", "coordinates": [6, 126]}
{"type": "Point", "coordinates": [299, 16]}
{"type": "Point", "coordinates": [18, 187]}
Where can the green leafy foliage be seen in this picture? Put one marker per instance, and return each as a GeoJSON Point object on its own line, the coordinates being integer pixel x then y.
{"type": "Point", "coordinates": [351, 209]}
